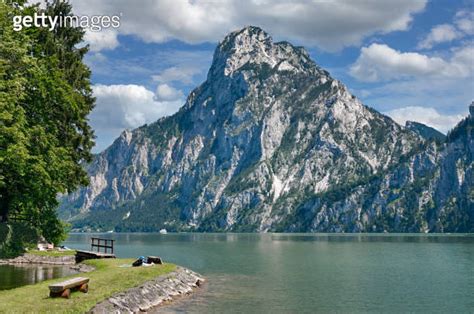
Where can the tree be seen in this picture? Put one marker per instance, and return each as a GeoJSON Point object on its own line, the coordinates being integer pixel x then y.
{"type": "Point", "coordinates": [45, 97]}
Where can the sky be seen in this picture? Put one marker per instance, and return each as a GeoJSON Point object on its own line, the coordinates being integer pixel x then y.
{"type": "Point", "coordinates": [409, 59]}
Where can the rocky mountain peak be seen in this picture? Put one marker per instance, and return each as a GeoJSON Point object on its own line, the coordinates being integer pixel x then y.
{"type": "Point", "coordinates": [471, 110]}
{"type": "Point", "coordinates": [247, 36]}
{"type": "Point", "coordinates": [252, 46]}
{"type": "Point", "coordinates": [246, 40]}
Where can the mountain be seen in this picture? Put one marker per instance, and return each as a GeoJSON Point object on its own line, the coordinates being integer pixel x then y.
{"type": "Point", "coordinates": [428, 133]}
{"type": "Point", "coordinates": [429, 191]}
{"type": "Point", "coordinates": [271, 142]}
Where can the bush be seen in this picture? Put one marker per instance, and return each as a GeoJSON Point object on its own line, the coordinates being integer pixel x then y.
{"type": "Point", "coordinates": [18, 237]}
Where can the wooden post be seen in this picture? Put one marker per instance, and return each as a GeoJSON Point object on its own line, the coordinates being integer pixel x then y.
{"type": "Point", "coordinates": [84, 288]}
{"type": "Point", "coordinates": [66, 293]}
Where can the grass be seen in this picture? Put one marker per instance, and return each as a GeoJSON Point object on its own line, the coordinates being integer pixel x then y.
{"type": "Point", "coordinates": [107, 279]}
{"type": "Point", "coordinates": [54, 253]}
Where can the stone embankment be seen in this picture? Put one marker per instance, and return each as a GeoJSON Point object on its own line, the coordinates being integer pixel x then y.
{"type": "Point", "coordinates": [152, 293]}
{"type": "Point", "coordinates": [38, 259]}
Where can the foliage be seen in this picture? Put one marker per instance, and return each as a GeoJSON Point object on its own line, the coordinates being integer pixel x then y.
{"type": "Point", "coordinates": [461, 130]}
{"type": "Point", "coordinates": [52, 228]}
{"type": "Point", "coordinates": [22, 235]}
{"type": "Point", "coordinates": [45, 97]}
{"type": "Point", "coordinates": [107, 279]}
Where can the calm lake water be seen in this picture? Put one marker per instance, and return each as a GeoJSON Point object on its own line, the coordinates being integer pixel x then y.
{"type": "Point", "coordinates": [308, 273]}
{"type": "Point", "coordinates": [12, 276]}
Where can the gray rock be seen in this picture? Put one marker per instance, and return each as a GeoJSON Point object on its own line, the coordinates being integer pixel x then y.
{"type": "Point", "coordinates": [36, 259]}
{"type": "Point", "coordinates": [152, 293]}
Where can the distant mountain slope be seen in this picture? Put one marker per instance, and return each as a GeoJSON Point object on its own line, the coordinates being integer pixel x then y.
{"type": "Point", "coordinates": [425, 131]}
{"type": "Point", "coordinates": [431, 191]}
{"type": "Point", "coordinates": [269, 142]}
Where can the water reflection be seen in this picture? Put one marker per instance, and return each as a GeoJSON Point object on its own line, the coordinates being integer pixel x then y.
{"type": "Point", "coordinates": [12, 276]}
{"type": "Point", "coordinates": [367, 237]}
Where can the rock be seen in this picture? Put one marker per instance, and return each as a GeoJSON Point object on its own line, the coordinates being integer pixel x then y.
{"type": "Point", "coordinates": [152, 293]}
{"type": "Point", "coordinates": [37, 259]}
{"type": "Point", "coordinates": [425, 131]}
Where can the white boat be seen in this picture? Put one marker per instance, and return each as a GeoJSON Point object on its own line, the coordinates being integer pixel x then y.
{"type": "Point", "coordinates": [163, 231]}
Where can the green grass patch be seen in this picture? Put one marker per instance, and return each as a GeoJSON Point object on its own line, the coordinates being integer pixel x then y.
{"type": "Point", "coordinates": [54, 253]}
{"type": "Point", "coordinates": [107, 279]}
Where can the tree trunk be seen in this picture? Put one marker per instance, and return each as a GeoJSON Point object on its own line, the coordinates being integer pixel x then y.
{"type": "Point", "coordinates": [3, 214]}
{"type": "Point", "coordinates": [3, 205]}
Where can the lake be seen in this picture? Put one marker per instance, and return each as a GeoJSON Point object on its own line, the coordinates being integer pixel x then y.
{"type": "Point", "coordinates": [308, 273]}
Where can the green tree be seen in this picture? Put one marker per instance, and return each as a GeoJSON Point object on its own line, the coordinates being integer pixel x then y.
{"type": "Point", "coordinates": [45, 97]}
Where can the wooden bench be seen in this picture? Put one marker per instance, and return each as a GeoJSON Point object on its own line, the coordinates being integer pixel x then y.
{"type": "Point", "coordinates": [63, 289]}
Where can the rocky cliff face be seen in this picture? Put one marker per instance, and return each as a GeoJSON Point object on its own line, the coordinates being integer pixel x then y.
{"type": "Point", "coordinates": [271, 142]}
{"type": "Point", "coordinates": [429, 191]}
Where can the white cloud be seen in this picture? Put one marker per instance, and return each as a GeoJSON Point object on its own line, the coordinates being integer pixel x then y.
{"type": "Point", "coordinates": [103, 40]}
{"type": "Point", "coordinates": [440, 33]}
{"type": "Point", "coordinates": [164, 92]}
{"type": "Point", "coordinates": [178, 68]}
{"type": "Point", "coordinates": [379, 62]}
{"type": "Point", "coordinates": [464, 20]}
{"type": "Point", "coordinates": [408, 79]}
{"type": "Point", "coordinates": [120, 107]}
{"type": "Point", "coordinates": [462, 26]}
{"type": "Point", "coordinates": [330, 25]}
{"type": "Point", "coordinates": [447, 96]}
{"type": "Point", "coordinates": [428, 116]}
{"type": "Point", "coordinates": [182, 74]}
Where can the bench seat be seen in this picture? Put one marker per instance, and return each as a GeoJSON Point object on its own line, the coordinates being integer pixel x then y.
{"type": "Point", "coordinates": [63, 289]}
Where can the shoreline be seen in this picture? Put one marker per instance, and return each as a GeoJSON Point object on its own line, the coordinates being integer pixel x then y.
{"type": "Point", "coordinates": [28, 258]}
{"type": "Point", "coordinates": [32, 259]}
{"type": "Point", "coordinates": [152, 293]}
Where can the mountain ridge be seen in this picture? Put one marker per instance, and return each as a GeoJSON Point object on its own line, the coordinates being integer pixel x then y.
{"type": "Point", "coordinates": [265, 135]}
{"type": "Point", "coordinates": [425, 131]}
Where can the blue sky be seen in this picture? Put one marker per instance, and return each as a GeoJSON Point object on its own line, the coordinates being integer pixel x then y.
{"type": "Point", "coordinates": [410, 59]}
